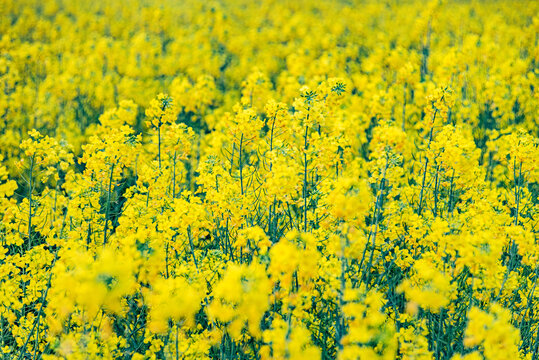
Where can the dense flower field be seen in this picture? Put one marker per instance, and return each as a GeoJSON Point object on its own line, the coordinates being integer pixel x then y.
{"type": "Point", "coordinates": [269, 179]}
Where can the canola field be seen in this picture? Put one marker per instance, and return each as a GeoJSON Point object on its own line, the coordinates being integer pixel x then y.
{"type": "Point", "coordinates": [248, 179]}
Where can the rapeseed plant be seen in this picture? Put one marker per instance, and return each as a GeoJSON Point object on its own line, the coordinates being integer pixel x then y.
{"type": "Point", "coordinates": [269, 180]}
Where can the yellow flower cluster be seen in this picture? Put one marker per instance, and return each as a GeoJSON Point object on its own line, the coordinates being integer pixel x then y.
{"type": "Point", "coordinates": [235, 179]}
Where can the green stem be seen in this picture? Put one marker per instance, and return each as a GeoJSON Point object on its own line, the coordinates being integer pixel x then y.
{"type": "Point", "coordinates": [30, 189]}
{"type": "Point", "coordinates": [174, 177]}
{"type": "Point", "coordinates": [39, 313]}
{"type": "Point", "coordinates": [108, 205]}
{"type": "Point", "coordinates": [426, 165]}
{"type": "Point", "coordinates": [306, 144]}
{"type": "Point", "coordinates": [159, 144]}
{"type": "Point", "coordinates": [240, 164]}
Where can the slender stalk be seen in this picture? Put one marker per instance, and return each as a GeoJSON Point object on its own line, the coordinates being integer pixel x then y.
{"type": "Point", "coordinates": [426, 165]}
{"type": "Point", "coordinates": [192, 247]}
{"type": "Point", "coordinates": [425, 54]}
{"type": "Point", "coordinates": [232, 158]}
{"type": "Point", "coordinates": [159, 123]}
{"type": "Point", "coordinates": [512, 247]}
{"type": "Point", "coordinates": [529, 299]}
{"type": "Point", "coordinates": [30, 189]}
{"type": "Point", "coordinates": [271, 135]}
{"type": "Point", "coordinates": [439, 335]}
{"type": "Point", "coordinates": [404, 107]}
{"type": "Point", "coordinates": [177, 352]}
{"type": "Point", "coordinates": [159, 143]}
{"type": "Point", "coordinates": [174, 177]}
{"type": "Point", "coordinates": [39, 313]}
{"type": "Point", "coordinates": [240, 164]}
{"type": "Point", "coordinates": [339, 326]}
{"type": "Point", "coordinates": [517, 190]}
{"type": "Point", "coordinates": [306, 144]}
{"type": "Point", "coordinates": [450, 199]}
{"type": "Point", "coordinates": [423, 186]}
{"type": "Point", "coordinates": [107, 213]}
{"type": "Point", "coordinates": [377, 210]}
{"type": "Point", "coordinates": [436, 186]}
{"type": "Point", "coordinates": [166, 260]}
{"type": "Point", "coordinates": [535, 355]}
